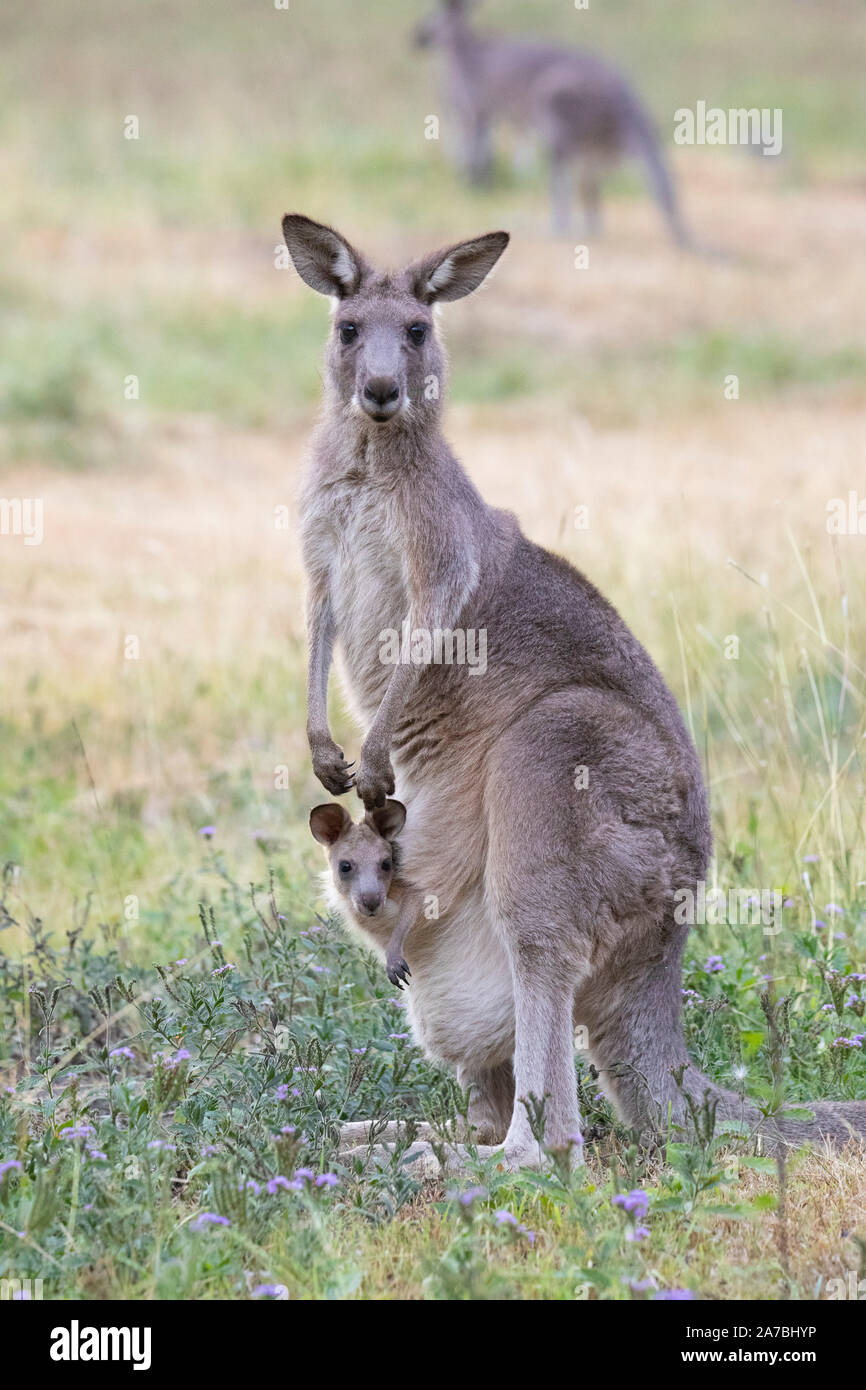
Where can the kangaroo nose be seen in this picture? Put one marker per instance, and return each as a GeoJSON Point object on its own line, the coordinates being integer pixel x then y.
{"type": "Point", "coordinates": [382, 391]}
{"type": "Point", "coordinates": [370, 903]}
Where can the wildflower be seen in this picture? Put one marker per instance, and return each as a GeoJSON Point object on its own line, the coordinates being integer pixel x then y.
{"type": "Point", "coordinates": [182, 1055]}
{"type": "Point", "coordinates": [327, 1180]}
{"type": "Point", "coordinates": [638, 1285]}
{"type": "Point", "coordinates": [505, 1218]}
{"type": "Point", "coordinates": [271, 1291]}
{"type": "Point", "coordinates": [126, 1052]}
{"type": "Point", "coordinates": [811, 858]}
{"type": "Point", "coordinates": [208, 1150]}
{"type": "Point", "coordinates": [714, 965]}
{"type": "Point", "coordinates": [637, 1233]}
{"type": "Point", "coordinates": [208, 831]}
{"type": "Point", "coordinates": [97, 1153]}
{"type": "Point", "coordinates": [183, 961]}
{"type": "Point", "coordinates": [276, 1183]}
{"type": "Point", "coordinates": [398, 1036]}
{"type": "Point", "coordinates": [306, 1173]}
{"type": "Point", "coordinates": [8, 1165]}
{"type": "Point", "coordinates": [251, 1186]}
{"type": "Point", "coordinates": [635, 1200]}
{"type": "Point", "coordinates": [221, 970]}
{"type": "Point", "coordinates": [79, 1131]}
{"type": "Point", "coordinates": [468, 1197]}
{"type": "Point", "coordinates": [208, 1218]}
{"type": "Point", "coordinates": [158, 1145]}
{"type": "Point", "coordinates": [834, 909]}
{"type": "Point", "coordinates": [670, 1295]}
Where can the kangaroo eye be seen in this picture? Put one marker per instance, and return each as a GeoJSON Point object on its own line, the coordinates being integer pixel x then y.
{"type": "Point", "coordinates": [348, 333]}
{"type": "Point", "coordinates": [386, 866]}
{"type": "Point", "coordinates": [418, 332]}
{"type": "Point", "coordinates": [345, 866]}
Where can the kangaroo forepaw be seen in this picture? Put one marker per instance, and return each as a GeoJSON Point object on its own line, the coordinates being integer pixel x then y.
{"type": "Point", "coordinates": [398, 972]}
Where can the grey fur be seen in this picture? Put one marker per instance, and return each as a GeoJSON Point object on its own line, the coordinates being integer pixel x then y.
{"type": "Point", "coordinates": [555, 900]}
{"type": "Point", "coordinates": [585, 114]}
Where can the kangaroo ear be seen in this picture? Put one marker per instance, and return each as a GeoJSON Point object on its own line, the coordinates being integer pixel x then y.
{"type": "Point", "coordinates": [388, 820]}
{"type": "Point", "coordinates": [458, 270]}
{"type": "Point", "coordinates": [323, 258]}
{"type": "Point", "coordinates": [329, 822]}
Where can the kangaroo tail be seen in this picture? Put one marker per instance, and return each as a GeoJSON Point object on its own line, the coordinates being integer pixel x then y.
{"type": "Point", "coordinates": [646, 146]}
{"type": "Point", "coordinates": [835, 1121]}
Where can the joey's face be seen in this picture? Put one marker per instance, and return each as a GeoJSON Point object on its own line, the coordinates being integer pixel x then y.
{"type": "Point", "coordinates": [360, 856]}
{"type": "Point", "coordinates": [362, 869]}
{"type": "Point", "coordinates": [384, 357]}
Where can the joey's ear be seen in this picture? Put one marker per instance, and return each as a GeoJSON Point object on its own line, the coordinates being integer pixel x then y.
{"type": "Point", "coordinates": [323, 258]}
{"type": "Point", "coordinates": [388, 820]}
{"type": "Point", "coordinates": [329, 822]}
{"type": "Point", "coordinates": [456, 271]}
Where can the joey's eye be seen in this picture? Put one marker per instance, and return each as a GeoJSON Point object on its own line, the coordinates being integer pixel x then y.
{"type": "Point", "coordinates": [386, 866]}
{"type": "Point", "coordinates": [418, 332]}
{"type": "Point", "coordinates": [345, 866]}
{"type": "Point", "coordinates": [348, 333]}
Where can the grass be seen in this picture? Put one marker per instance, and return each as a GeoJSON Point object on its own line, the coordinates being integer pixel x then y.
{"type": "Point", "coordinates": [602, 389]}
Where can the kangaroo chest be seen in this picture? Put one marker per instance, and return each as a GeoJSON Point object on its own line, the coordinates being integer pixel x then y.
{"type": "Point", "coordinates": [364, 555]}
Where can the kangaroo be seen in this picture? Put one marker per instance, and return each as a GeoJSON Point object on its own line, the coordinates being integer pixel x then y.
{"type": "Point", "coordinates": [364, 887]}
{"type": "Point", "coordinates": [583, 111]}
{"type": "Point", "coordinates": [555, 802]}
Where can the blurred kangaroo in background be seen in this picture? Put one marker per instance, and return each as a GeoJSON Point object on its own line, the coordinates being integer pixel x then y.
{"type": "Point", "coordinates": [584, 112]}
{"type": "Point", "coordinates": [555, 804]}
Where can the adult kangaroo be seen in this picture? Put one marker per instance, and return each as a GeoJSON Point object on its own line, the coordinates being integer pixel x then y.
{"type": "Point", "coordinates": [585, 114]}
{"type": "Point", "coordinates": [555, 886]}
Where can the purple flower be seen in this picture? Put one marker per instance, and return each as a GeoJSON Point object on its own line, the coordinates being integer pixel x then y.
{"type": "Point", "coordinates": [505, 1218]}
{"type": "Point", "coordinates": [834, 909]}
{"type": "Point", "coordinates": [398, 1036]}
{"type": "Point", "coordinates": [208, 1218]}
{"type": "Point", "coordinates": [714, 965]}
{"type": "Point", "coordinates": [306, 1173]}
{"type": "Point", "coordinates": [638, 1233]}
{"type": "Point", "coordinates": [468, 1197]}
{"type": "Point", "coordinates": [182, 1055]}
{"type": "Point", "coordinates": [160, 1145]}
{"type": "Point", "coordinates": [670, 1295]}
{"type": "Point", "coordinates": [271, 1291]}
{"type": "Point", "coordinates": [126, 1052]}
{"type": "Point", "coordinates": [276, 1183]}
{"type": "Point", "coordinates": [635, 1200]}
{"type": "Point", "coordinates": [8, 1165]}
{"type": "Point", "coordinates": [208, 831]}
{"type": "Point", "coordinates": [79, 1131]}
{"type": "Point", "coordinates": [811, 858]}
{"type": "Point", "coordinates": [327, 1180]}
{"type": "Point", "coordinates": [221, 970]}
{"type": "Point", "coordinates": [97, 1153]}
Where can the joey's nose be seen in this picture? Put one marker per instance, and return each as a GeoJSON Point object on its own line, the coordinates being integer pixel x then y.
{"type": "Point", "coordinates": [370, 903]}
{"type": "Point", "coordinates": [381, 397]}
